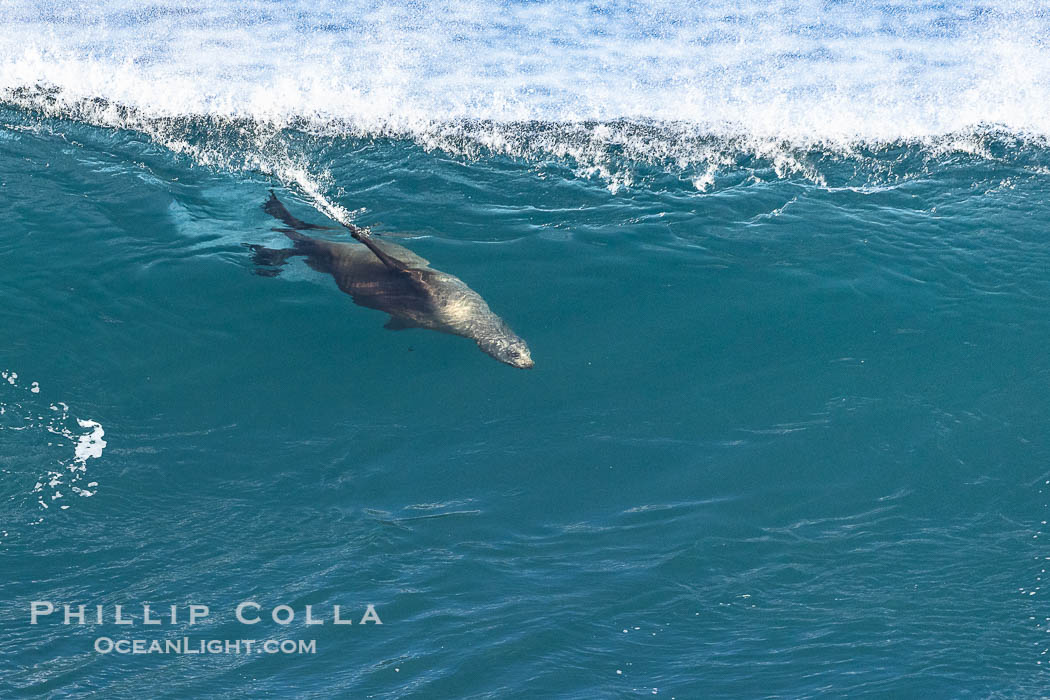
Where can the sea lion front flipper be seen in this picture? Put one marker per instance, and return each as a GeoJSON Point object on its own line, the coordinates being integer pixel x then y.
{"type": "Point", "coordinates": [274, 208]}
{"type": "Point", "coordinates": [396, 323]}
{"type": "Point", "coordinates": [391, 262]}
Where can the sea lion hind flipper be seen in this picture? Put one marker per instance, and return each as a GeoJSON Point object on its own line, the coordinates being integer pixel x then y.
{"type": "Point", "coordinates": [293, 235]}
{"type": "Point", "coordinates": [271, 257]}
{"type": "Point", "coordinates": [274, 208]}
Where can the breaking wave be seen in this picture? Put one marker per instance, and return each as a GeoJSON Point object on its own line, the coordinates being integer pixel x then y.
{"type": "Point", "coordinates": [689, 90]}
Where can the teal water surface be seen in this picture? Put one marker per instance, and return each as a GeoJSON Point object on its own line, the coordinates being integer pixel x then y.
{"type": "Point", "coordinates": [785, 436]}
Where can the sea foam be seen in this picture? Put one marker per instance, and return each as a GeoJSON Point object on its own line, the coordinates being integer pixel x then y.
{"type": "Point", "coordinates": [802, 71]}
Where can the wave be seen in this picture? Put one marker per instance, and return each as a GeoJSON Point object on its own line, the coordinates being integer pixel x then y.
{"type": "Point", "coordinates": [801, 72]}
{"type": "Point", "coordinates": [317, 156]}
{"type": "Point", "coordinates": [690, 91]}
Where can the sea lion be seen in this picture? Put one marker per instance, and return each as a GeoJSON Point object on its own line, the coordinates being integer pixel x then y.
{"type": "Point", "coordinates": [390, 278]}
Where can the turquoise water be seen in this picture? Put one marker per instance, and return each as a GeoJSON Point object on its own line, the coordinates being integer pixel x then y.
{"type": "Point", "coordinates": [785, 436]}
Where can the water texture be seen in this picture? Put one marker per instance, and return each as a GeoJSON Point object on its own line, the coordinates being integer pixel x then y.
{"type": "Point", "coordinates": [783, 268]}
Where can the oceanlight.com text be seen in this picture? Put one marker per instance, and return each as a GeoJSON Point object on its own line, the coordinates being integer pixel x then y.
{"type": "Point", "coordinates": [185, 645]}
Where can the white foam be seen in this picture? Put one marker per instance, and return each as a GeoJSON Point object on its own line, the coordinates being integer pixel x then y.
{"type": "Point", "coordinates": [806, 71]}
{"type": "Point", "coordinates": [89, 446]}
{"type": "Point", "coordinates": [27, 415]}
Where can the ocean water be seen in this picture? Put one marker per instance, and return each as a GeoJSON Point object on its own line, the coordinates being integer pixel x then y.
{"type": "Point", "coordinates": [783, 268]}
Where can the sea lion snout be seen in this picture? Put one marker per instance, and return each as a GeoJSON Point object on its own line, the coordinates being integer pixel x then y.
{"type": "Point", "coordinates": [508, 349]}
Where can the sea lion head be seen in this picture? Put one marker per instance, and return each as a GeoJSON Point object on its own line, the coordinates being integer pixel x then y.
{"type": "Point", "coordinates": [507, 347]}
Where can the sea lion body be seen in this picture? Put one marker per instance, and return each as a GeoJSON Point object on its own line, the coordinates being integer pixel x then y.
{"type": "Point", "coordinates": [390, 278]}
